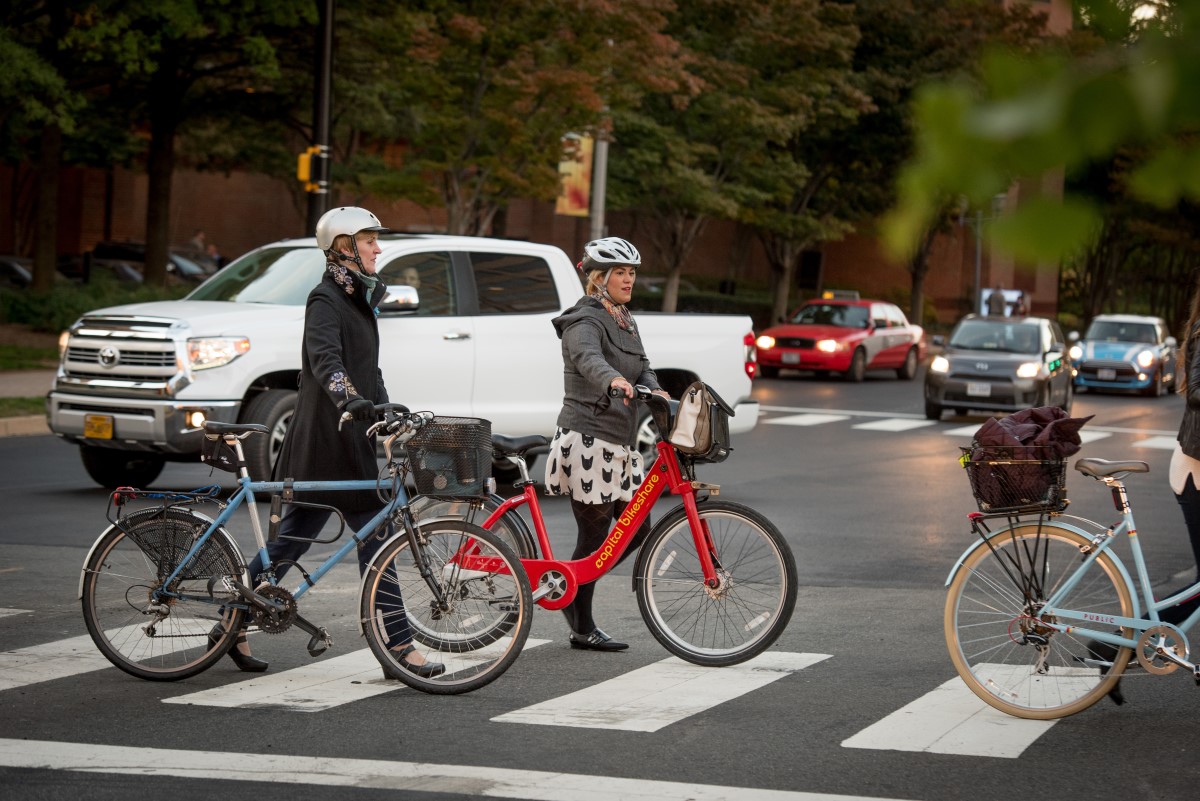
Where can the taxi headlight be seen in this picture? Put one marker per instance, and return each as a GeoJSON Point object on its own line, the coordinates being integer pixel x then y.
{"type": "Point", "coordinates": [828, 346]}
{"type": "Point", "coordinates": [765, 342]}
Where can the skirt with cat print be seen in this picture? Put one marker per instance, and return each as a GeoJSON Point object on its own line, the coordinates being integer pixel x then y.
{"type": "Point", "coordinates": [589, 470]}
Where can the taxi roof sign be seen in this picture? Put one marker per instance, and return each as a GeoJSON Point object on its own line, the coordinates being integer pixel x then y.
{"type": "Point", "coordinates": [840, 294]}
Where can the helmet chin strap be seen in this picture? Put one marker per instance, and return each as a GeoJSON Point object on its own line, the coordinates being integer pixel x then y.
{"type": "Point", "coordinates": [356, 259]}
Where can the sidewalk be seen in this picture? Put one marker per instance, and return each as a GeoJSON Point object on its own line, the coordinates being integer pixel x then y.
{"type": "Point", "coordinates": [24, 384]}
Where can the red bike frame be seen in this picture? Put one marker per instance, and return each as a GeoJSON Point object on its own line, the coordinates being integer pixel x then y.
{"type": "Point", "coordinates": [552, 592]}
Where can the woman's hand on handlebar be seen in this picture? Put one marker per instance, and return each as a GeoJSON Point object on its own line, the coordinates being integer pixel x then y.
{"type": "Point", "coordinates": [621, 388]}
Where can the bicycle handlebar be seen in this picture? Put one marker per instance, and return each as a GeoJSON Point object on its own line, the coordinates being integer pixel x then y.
{"type": "Point", "coordinates": [387, 410]}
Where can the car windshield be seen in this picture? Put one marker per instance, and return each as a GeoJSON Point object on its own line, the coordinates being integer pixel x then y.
{"type": "Point", "coordinates": [1114, 331]}
{"type": "Point", "coordinates": [1008, 337]}
{"type": "Point", "coordinates": [838, 314]}
{"type": "Point", "coordinates": [282, 275]}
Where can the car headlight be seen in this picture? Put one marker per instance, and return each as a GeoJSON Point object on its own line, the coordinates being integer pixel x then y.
{"type": "Point", "coordinates": [1145, 358]}
{"type": "Point", "coordinates": [1076, 353]}
{"type": "Point", "coordinates": [828, 346]}
{"type": "Point", "coordinates": [940, 364]}
{"type": "Point", "coordinates": [207, 352]}
{"type": "Point", "coordinates": [1029, 370]}
{"type": "Point", "coordinates": [765, 342]}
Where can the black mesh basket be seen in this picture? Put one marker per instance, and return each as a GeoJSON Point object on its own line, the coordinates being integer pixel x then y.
{"type": "Point", "coordinates": [452, 457]}
{"type": "Point", "coordinates": [1017, 478]}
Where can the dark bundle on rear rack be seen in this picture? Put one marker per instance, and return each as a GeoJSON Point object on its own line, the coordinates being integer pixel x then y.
{"type": "Point", "coordinates": [1018, 463]}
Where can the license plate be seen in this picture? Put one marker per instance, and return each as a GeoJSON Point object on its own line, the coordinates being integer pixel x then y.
{"type": "Point", "coordinates": [979, 390]}
{"type": "Point", "coordinates": [1106, 374]}
{"type": "Point", "coordinates": [98, 426]}
{"type": "Point", "coordinates": [789, 358]}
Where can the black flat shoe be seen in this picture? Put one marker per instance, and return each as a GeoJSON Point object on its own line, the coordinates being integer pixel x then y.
{"type": "Point", "coordinates": [246, 662]}
{"type": "Point", "coordinates": [428, 670]}
{"type": "Point", "coordinates": [596, 641]}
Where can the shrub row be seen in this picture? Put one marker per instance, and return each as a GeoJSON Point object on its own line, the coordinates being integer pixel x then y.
{"type": "Point", "coordinates": [57, 309]}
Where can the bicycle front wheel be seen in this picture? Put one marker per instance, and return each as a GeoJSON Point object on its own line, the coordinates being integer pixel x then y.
{"type": "Point", "coordinates": [459, 599]}
{"type": "Point", "coordinates": [510, 528]}
{"type": "Point", "coordinates": [996, 633]}
{"type": "Point", "coordinates": [739, 618]}
{"type": "Point", "coordinates": [145, 627]}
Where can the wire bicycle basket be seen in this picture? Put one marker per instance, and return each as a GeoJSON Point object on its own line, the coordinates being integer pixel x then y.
{"type": "Point", "coordinates": [1016, 478]}
{"type": "Point", "coordinates": [451, 457]}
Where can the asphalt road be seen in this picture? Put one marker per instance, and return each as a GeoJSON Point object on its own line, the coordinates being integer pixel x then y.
{"type": "Point", "coordinates": [848, 703]}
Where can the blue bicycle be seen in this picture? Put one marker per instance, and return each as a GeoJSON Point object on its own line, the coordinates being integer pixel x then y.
{"type": "Point", "coordinates": [165, 590]}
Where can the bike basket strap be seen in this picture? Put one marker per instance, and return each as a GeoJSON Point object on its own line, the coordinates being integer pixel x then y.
{"type": "Point", "coordinates": [701, 427]}
{"type": "Point", "coordinates": [452, 457]}
{"type": "Point", "coordinates": [1016, 478]}
{"type": "Point", "coordinates": [218, 453]}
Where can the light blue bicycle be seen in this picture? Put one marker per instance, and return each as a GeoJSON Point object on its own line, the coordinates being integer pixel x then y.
{"type": "Point", "coordinates": [165, 592]}
{"type": "Point", "coordinates": [1025, 601]}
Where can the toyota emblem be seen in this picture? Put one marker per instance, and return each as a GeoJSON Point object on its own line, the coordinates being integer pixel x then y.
{"type": "Point", "coordinates": [110, 356]}
{"type": "Point", "coordinates": [981, 366]}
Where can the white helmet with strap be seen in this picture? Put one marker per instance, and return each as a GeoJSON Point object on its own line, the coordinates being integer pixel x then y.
{"type": "Point", "coordinates": [610, 250]}
{"type": "Point", "coordinates": [345, 221]}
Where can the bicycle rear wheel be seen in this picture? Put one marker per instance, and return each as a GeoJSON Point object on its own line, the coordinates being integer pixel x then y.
{"type": "Point", "coordinates": [145, 628]}
{"type": "Point", "coordinates": [478, 626]}
{"type": "Point", "coordinates": [738, 619]}
{"type": "Point", "coordinates": [995, 631]}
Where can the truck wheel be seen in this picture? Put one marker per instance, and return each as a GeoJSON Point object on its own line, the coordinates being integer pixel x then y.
{"type": "Point", "coordinates": [112, 468]}
{"type": "Point", "coordinates": [272, 409]}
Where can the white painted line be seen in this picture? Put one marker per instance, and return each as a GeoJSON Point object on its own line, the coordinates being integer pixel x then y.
{"type": "Point", "coordinates": [410, 778]}
{"type": "Point", "coordinates": [1164, 443]}
{"type": "Point", "coordinates": [314, 687]}
{"type": "Point", "coordinates": [1086, 436]}
{"type": "Point", "coordinates": [848, 412]}
{"type": "Point", "coordinates": [6, 612]}
{"type": "Point", "coordinates": [807, 419]}
{"type": "Point", "coordinates": [963, 431]}
{"type": "Point", "coordinates": [894, 424]}
{"type": "Point", "coordinates": [50, 661]}
{"type": "Point", "coordinates": [951, 720]}
{"type": "Point", "coordinates": [658, 695]}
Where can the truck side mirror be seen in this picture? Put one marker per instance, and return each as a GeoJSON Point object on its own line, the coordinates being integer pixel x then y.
{"type": "Point", "coordinates": [400, 299]}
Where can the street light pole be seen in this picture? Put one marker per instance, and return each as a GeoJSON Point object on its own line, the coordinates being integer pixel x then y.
{"type": "Point", "coordinates": [599, 184]}
{"type": "Point", "coordinates": [318, 196]}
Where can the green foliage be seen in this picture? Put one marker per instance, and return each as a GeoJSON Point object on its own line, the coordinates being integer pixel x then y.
{"type": "Point", "coordinates": [18, 357]}
{"type": "Point", "coordinates": [56, 310]}
{"type": "Point", "coordinates": [22, 407]}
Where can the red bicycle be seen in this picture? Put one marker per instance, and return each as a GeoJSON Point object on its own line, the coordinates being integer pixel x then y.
{"type": "Point", "coordinates": [715, 581]}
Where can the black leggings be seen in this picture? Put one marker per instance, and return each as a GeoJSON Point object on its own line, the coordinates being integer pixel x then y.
{"type": "Point", "coordinates": [1189, 504]}
{"type": "Point", "coordinates": [595, 522]}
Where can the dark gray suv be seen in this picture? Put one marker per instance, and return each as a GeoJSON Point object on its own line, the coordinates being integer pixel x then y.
{"type": "Point", "coordinates": [999, 364]}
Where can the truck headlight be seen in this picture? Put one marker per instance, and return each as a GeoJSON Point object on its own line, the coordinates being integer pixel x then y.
{"type": "Point", "coordinates": [940, 364]}
{"type": "Point", "coordinates": [207, 352]}
{"type": "Point", "coordinates": [1029, 370]}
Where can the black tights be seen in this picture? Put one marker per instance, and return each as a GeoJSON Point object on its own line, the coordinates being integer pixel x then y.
{"type": "Point", "coordinates": [1189, 504]}
{"type": "Point", "coordinates": [595, 522]}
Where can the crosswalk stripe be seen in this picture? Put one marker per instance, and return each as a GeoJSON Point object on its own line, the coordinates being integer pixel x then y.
{"type": "Point", "coordinates": [1163, 443]}
{"type": "Point", "coordinates": [409, 778]}
{"type": "Point", "coordinates": [657, 695]}
{"type": "Point", "coordinates": [894, 424]}
{"type": "Point", "coordinates": [4, 612]}
{"type": "Point", "coordinates": [313, 687]}
{"type": "Point", "coordinates": [951, 720]}
{"type": "Point", "coordinates": [50, 661]}
{"type": "Point", "coordinates": [807, 419]}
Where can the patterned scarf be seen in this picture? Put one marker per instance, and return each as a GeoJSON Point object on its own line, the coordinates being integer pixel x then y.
{"type": "Point", "coordinates": [620, 314]}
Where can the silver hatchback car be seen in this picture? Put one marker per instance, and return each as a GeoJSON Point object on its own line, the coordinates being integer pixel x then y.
{"type": "Point", "coordinates": [999, 364]}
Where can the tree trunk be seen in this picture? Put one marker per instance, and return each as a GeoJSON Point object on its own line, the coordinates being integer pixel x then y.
{"type": "Point", "coordinates": [45, 254]}
{"type": "Point", "coordinates": [166, 93]}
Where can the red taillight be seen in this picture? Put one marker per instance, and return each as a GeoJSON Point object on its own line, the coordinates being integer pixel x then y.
{"type": "Point", "coordinates": [751, 355]}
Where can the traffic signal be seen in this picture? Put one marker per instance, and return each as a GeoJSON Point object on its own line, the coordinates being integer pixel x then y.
{"type": "Point", "coordinates": [304, 168]}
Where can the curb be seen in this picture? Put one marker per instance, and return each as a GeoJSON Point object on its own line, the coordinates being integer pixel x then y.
{"type": "Point", "coordinates": [33, 425]}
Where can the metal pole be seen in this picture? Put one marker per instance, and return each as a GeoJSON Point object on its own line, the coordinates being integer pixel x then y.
{"type": "Point", "coordinates": [599, 184]}
{"type": "Point", "coordinates": [318, 199]}
{"type": "Point", "coordinates": [978, 301]}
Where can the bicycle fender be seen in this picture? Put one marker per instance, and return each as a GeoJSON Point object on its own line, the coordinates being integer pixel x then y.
{"type": "Point", "coordinates": [208, 521]}
{"type": "Point", "coordinates": [1137, 611]}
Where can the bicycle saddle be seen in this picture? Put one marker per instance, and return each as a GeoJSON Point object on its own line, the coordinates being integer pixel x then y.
{"type": "Point", "coordinates": [1099, 468]}
{"type": "Point", "coordinates": [517, 445]}
{"type": "Point", "coordinates": [211, 427]}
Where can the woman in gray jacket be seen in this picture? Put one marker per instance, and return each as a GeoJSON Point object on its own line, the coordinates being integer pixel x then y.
{"type": "Point", "coordinates": [592, 458]}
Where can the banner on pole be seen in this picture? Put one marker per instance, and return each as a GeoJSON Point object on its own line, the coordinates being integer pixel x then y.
{"type": "Point", "coordinates": [574, 176]}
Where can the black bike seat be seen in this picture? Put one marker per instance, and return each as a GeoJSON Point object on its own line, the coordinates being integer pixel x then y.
{"type": "Point", "coordinates": [211, 427]}
{"type": "Point", "coordinates": [517, 445]}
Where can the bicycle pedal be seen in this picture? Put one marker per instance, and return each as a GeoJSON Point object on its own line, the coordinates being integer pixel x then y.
{"type": "Point", "coordinates": [320, 643]}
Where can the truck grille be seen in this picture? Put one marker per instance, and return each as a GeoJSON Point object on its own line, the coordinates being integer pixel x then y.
{"type": "Point", "coordinates": [140, 351]}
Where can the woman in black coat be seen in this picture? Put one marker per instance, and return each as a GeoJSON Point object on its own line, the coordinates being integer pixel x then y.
{"type": "Point", "coordinates": [339, 375]}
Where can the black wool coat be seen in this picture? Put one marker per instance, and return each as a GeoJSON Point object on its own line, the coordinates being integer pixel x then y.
{"type": "Point", "coordinates": [339, 363]}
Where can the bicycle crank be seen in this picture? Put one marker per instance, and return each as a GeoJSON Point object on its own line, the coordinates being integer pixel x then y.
{"type": "Point", "coordinates": [1162, 649]}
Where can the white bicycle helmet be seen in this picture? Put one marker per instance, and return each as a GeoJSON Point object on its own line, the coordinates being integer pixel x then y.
{"type": "Point", "coordinates": [348, 220]}
{"type": "Point", "coordinates": [610, 250]}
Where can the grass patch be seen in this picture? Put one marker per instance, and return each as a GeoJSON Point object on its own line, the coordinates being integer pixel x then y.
{"type": "Point", "coordinates": [22, 407]}
{"type": "Point", "coordinates": [22, 357]}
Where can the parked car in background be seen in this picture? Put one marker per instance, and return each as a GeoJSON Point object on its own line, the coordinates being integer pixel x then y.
{"type": "Point", "coordinates": [125, 261]}
{"type": "Point", "coordinates": [16, 272]}
{"type": "Point", "coordinates": [999, 364]}
{"type": "Point", "coordinates": [843, 335]}
{"type": "Point", "coordinates": [655, 284]}
{"type": "Point", "coordinates": [1127, 352]}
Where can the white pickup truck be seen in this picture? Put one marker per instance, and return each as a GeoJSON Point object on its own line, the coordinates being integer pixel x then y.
{"type": "Point", "coordinates": [471, 337]}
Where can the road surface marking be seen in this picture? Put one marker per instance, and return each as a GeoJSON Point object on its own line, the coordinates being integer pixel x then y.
{"type": "Point", "coordinates": [50, 661]}
{"type": "Point", "coordinates": [951, 720]}
{"type": "Point", "coordinates": [1166, 443]}
{"type": "Point", "coordinates": [6, 612]}
{"type": "Point", "coordinates": [657, 695]}
{"type": "Point", "coordinates": [374, 774]}
{"type": "Point", "coordinates": [807, 419]}
{"type": "Point", "coordinates": [894, 424]}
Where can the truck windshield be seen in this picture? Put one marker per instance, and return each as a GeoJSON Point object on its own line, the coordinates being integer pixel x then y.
{"type": "Point", "coordinates": [282, 275]}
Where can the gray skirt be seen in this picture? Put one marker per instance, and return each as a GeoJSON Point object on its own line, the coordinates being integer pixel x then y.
{"type": "Point", "coordinates": [589, 470]}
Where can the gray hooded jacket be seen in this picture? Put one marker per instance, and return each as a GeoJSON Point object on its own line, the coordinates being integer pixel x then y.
{"type": "Point", "coordinates": [595, 351]}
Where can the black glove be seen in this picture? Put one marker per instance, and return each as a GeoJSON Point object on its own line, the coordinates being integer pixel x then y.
{"type": "Point", "coordinates": [360, 409]}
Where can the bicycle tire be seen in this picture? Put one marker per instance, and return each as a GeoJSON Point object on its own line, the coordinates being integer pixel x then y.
{"type": "Point", "coordinates": [511, 527]}
{"type": "Point", "coordinates": [125, 570]}
{"type": "Point", "coordinates": [483, 627]}
{"type": "Point", "coordinates": [989, 621]}
{"type": "Point", "coordinates": [738, 620]}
